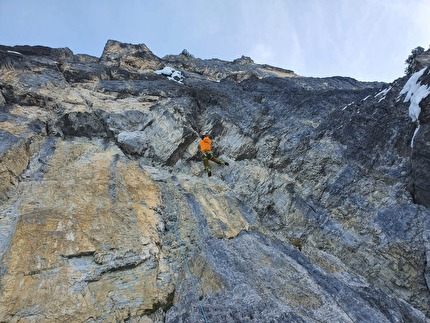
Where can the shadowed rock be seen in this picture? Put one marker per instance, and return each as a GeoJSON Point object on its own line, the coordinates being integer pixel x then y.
{"type": "Point", "coordinates": [107, 214]}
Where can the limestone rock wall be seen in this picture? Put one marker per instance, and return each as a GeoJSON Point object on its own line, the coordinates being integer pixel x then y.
{"type": "Point", "coordinates": [106, 213]}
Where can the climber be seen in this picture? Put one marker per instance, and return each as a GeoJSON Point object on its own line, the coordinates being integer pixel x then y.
{"type": "Point", "coordinates": [205, 148]}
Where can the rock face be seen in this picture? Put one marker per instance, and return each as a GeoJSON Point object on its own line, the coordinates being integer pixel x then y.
{"type": "Point", "coordinates": [107, 215]}
{"type": "Point", "coordinates": [418, 92]}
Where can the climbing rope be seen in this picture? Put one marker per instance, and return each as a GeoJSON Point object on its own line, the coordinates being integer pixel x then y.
{"type": "Point", "coordinates": [181, 244]}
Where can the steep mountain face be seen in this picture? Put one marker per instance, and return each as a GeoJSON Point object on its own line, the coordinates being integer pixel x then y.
{"type": "Point", "coordinates": [107, 215]}
{"type": "Point", "coordinates": [417, 90]}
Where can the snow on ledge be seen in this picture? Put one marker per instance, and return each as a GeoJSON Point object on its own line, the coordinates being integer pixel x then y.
{"type": "Point", "coordinates": [347, 105]}
{"type": "Point", "coordinates": [415, 92]}
{"type": "Point", "coordinates": [383, 93]}
{"type": "Point", "coordinates": [171, 74]}
{"type": "Point", "coordinates": [13, 52]}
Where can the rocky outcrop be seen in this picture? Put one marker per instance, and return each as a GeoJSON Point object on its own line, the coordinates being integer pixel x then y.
{"type": "Point", "coordinates": [417, 93]}
{"type": "Point", "coordinates": [107, 214]}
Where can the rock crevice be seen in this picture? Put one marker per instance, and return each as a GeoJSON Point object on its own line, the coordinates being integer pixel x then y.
{"type": "Point", "coordinates": [108, 215]}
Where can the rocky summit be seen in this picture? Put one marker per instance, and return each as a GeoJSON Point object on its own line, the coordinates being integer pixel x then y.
{"type": "Point", "coordinates": [107, 214]}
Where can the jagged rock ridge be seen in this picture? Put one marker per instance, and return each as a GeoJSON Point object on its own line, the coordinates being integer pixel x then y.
{"type": "Point", "coordinates": [107, 215]}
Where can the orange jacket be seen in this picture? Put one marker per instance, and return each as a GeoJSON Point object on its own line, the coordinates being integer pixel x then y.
{"type": "Point", "coordinates": [205, 144]}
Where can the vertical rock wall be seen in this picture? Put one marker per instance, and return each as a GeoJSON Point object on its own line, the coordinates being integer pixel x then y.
{"type": "Point", "coordinates": [107, 214]}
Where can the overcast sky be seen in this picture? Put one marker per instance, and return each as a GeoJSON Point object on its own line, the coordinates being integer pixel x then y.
{"type": "Point", "coordinates": [364, 39]}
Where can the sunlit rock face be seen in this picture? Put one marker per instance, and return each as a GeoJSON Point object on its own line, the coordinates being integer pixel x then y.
{"type": "Point", "coordinates": [107, 214]}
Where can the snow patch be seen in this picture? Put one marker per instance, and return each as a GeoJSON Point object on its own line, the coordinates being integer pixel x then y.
{"type": "Point", "coordinates": [366, 98]}
{"type": "Point", "coordinates": [415, 92]}
{"type": "Point", "coordinates": [347, 105]}
{"type": "Point", "coordinates": [413, 137]}
{"type": "Point", "coordinates": [13, 52]}
{"type": "Point", "coordinates": [172, 74]}
{"type": "Point", "coordinates": [383, 93]}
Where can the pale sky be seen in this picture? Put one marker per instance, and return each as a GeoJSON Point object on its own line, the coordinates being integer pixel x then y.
{"type": "Point", "coordinates": [368, 40]}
